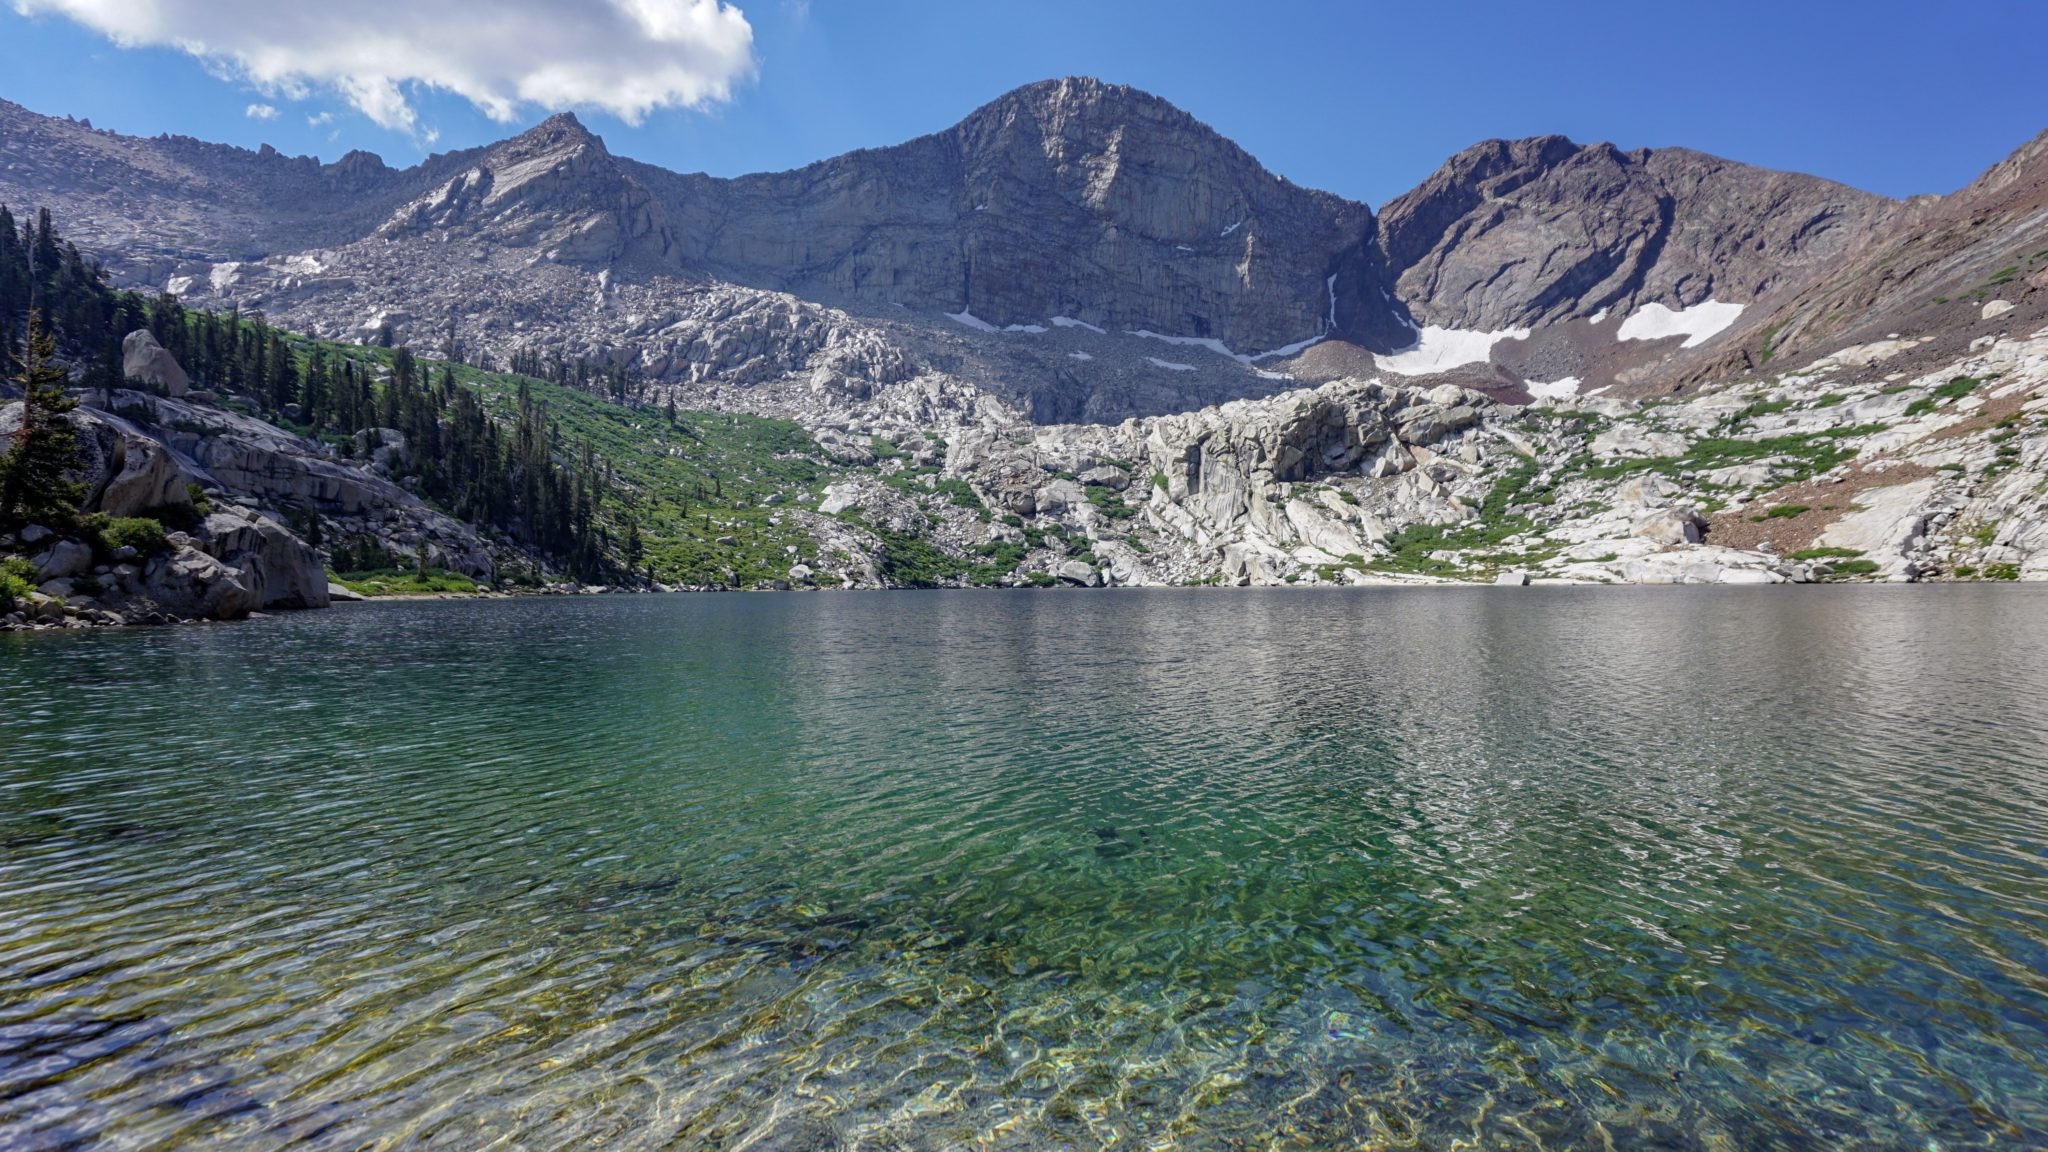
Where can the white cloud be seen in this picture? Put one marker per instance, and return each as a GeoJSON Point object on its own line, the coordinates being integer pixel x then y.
{"type": "Point", "coordinates": [260, 112]}
{"type": "Point", "coordinates": [627, 57]}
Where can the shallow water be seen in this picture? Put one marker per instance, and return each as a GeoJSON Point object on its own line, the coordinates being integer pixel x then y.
{"type": "Point", "coordinates": [1675, 868]}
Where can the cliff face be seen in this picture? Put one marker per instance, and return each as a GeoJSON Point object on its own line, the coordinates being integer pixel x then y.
{"type": "Point", "coordinates": [1530, 232]}
{"type": "Point", "coordinates": [1069, 198]}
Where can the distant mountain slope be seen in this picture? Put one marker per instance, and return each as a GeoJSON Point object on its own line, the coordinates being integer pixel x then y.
{"type": "Point", "coordinates": [1953, 269]}
{"type": "Point", "coordinates": [1041, 250]}
{"type": "Point", "coordinates": [1529, 232]}
{"type": "Point", "coordinates": [152, 203]}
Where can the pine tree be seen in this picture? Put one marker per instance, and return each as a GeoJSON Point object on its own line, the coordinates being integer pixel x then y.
{"type": "Point", "coordinates": [33, 486]}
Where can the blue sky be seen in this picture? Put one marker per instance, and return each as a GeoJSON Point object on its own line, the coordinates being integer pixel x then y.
{"type": "Point", "coordinates": [1363, 99]}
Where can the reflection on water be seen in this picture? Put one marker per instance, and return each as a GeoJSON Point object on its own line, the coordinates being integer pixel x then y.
{"type": "Point", "coordinates": [1543, 868]}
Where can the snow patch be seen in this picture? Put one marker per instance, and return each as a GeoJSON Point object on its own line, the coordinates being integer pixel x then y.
{"type": "Point", "coordinates": [1232, 228]}
{"type": "Point", "coordinates": [1169, 365]}
{"type": "Point", "coordinates": [972, 321]}
{"type": "Point", "coordinates": [1032, 328]}
{"type": "Point", "coordinates": [1597, 317]}
{"type": "Point", "coordinates": [1213, 345]}
{"type": "Point", "coordinates": [1070, 322]}
{"type": "Point", "coordinates": [1079, 356]}
{"type": "Point", "coordinates": [1262, 374]}
{"type": "Point", "coordinates": [1182, 248]}
{"type": "Point", "coordinates": [1285, 350]}
{"type": "Point", "coordinates": [1331, 284]}
{"type": "Point", "coordinates": [1440, 349]}
{"type": "Point", "coordinates": [1222, 349]}
{"type": "Point", "coordinates": [1698, 324]}
{"type": "Point", "coordinates": [1555, 390]}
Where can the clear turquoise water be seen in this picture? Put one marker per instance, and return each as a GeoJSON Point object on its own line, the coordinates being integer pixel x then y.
{"type": "Point", "coordinates": [1657, 868]}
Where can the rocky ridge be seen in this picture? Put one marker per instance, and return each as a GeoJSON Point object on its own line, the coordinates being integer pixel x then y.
{"type": "Point", "coordinates": [1069, 202]}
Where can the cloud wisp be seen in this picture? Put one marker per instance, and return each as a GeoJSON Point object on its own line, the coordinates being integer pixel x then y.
{"type": "Point", "coordinates": [626, 57]}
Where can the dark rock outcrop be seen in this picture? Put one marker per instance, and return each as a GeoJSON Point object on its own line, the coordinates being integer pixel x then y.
{"type": "Point", "coordinates": [1529, 232]}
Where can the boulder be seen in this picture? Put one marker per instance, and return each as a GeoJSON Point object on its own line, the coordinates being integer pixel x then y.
{"type": "Point", "coordinates": [191, 584]}
{"type": "Point", "coordinates": [145, 360]}
{"type": "Point", "coordinates": [1079, 573]}
{"type": "Point", "coordinates": [1672, 526]}
{"type": "Point", "coordinates": [339, 595]}
{"type": "Point", "coordinates": [278, 568]}
{"type": "Point", "coordinates": [838, 498]}
{"type": "Point", "coordinates": [1106, 476]}
{"type": "Point", "coordinates": [126, 470]}
{"type": "Point", "coordinates": [1515, 579]}
{"type": "Point", "coordinates": [1058, 495]}
{"type": "Point", "coordinates": [62, 559]}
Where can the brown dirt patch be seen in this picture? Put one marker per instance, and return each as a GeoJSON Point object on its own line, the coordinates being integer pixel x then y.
{"type": "Point", "coordinates": [1987, 417]}
{"type": "Point", "coordinates": [1825, 502]}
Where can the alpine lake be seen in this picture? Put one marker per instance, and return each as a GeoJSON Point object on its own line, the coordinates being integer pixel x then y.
{"type": "Point", "coordinates": [1530, 868]}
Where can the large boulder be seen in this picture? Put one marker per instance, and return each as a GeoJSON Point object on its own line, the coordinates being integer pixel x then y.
{"type": "Point", "coordinates": [64, 558]}
{"type": "Point", "coordinates": [192, 585]}
{"type": "Point", "coordinates": [1058, 495]}
{"type": "Point", "coordinates": [1671, 526]}
{"type": "Point", "coordinates": [127, 471]}
{"type": "Point", "coordinates": [278, 568]}
{"type": "Point", "coordinates": [1078, 572]}
{"type": "Point", "coordinates": [145, 360]}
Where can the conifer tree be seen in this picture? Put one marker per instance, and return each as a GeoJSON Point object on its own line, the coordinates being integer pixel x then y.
{"type": "Point", "coordinates": [33, 486]}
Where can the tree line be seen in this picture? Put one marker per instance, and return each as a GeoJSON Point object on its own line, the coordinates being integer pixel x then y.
{"type": "Point", "coordinates": [516, 476]}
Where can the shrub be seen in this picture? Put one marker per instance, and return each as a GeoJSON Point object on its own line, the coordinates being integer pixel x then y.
{"type": "Point", "coordinates": [1826, 554]}
{"type": "Point", "coordinates": [1110, 504]}
{"type": "Point", "coordinates": [2001, 571]}
{"type": "Point", "coordinates": [1852, 568]}
{"type": "Point", "coordinates": [1761, 408]}
{"type": "Point", "coordinates": [141, 533]}
{"type": "Point", "coordinates": [17, 580]}
{"type": "Point", "coordinates": [176, 517]}
{"type": "Point", "coordinates": [1785, 512]}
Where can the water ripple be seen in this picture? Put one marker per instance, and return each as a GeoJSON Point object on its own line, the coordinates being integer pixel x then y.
{"type": "Point", "coordinates": [1551, 868]}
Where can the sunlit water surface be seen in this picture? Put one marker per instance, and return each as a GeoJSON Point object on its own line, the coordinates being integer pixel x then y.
{"type": "Point", "coordinates": [1659, 868]}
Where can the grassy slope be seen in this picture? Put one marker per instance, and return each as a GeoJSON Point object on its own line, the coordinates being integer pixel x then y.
{"type": "Point", "coordinates": [689, 486]}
